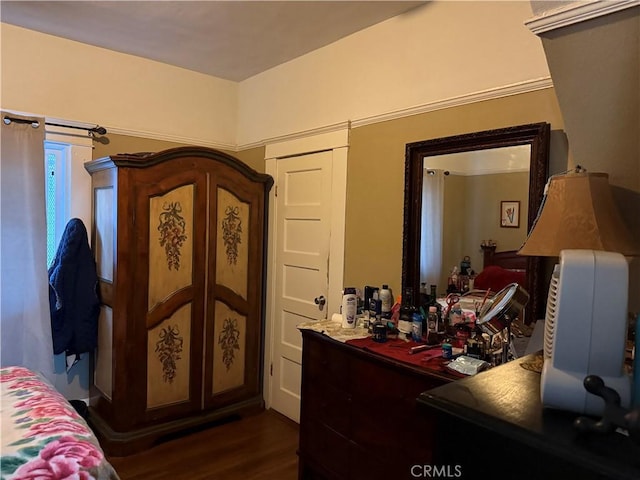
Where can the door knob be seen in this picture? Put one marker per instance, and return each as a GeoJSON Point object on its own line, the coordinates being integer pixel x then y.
{"type": "Point", "coordinates": [320, 301]}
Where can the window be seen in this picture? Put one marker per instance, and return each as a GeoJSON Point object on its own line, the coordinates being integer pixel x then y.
{"type": "Point", "coordinates": [67, 183]}
{"type": "Point", "coordinates": [56, 194]}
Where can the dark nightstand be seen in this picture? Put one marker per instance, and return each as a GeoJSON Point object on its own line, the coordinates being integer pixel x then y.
{"type": "Point", "coordinates": [494, 424]}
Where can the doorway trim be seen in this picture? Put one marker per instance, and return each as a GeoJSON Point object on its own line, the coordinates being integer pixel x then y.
{"type": "Point", "coordinates": [338, 142]}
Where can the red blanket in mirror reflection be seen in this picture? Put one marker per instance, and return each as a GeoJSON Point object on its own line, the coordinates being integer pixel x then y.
{"type": "Point", "coordinates": [400, 350]}
{"type": "Point", "coordinates": [496, 278]}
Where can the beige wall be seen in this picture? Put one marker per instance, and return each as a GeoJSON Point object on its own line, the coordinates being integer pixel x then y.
{"type": "Point", "coordinates": [395, 66]}
{"type": "Point", "coordinates": [254, 157]}
{"type": "Point", "coordinates": [482, 213]}
{"type": "Point", "coordinates": [375, 182]}
{"type": "Point", "coordinates": [59, 78]}
{"type": "Point", "coordinates": [439, 51]}
{"type": "Point", "coordinates": [114, 144]}
{"type": "Point", "coordinates": [479, 219]}
{"type": "Point", "coordinates": [472, 215]}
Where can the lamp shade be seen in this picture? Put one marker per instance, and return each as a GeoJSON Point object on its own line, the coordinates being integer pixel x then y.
{"type": "Point", "coordinates": [578, 213]}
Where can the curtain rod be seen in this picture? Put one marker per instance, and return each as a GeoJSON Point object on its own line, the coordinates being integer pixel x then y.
{"type": "Point", "coordinates": [97, 129]}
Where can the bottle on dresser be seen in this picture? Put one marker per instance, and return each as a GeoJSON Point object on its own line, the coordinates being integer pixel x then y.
{"type": "Point", "coordinates": [417, 327]}
{"type": "Point", "coordinates": [374, 309]}
{"type": "Point", "coordinates": [349, 307]}
{"type": "Point", "coordinates": [387, 301]}
{"type": "Point", "coordinates": [432, 326]}
{"type": "Point", "coordinates": [407, 309]}
{"type": "Point", "coordinates": [366, 303]}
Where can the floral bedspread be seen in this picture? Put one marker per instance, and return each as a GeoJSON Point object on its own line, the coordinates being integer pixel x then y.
{"type": "Point", "coordinates": [42, 435]}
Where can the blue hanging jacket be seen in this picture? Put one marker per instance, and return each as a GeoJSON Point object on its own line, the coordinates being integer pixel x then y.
{"type": "Point", "coordinates": [73, 293]}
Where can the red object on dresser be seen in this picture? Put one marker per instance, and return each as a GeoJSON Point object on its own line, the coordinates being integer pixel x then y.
{"type": "Point", "coordinates": [431, 359]}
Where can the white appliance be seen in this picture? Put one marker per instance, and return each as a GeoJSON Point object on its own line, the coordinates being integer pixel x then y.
{"type": "Point", "coordinates": [585, 330]}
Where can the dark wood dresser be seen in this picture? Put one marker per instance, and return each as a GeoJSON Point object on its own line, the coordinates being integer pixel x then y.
{"type": "Point", "coordinates": [498, 416]}
{"type": "Point", "coordinates": [359, 417]}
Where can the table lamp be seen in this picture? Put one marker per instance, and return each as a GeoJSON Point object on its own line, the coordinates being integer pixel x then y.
{"type": "Point", "coordinates": [586, 320]}
{"type": "Point", "coordinates": [578, 212]}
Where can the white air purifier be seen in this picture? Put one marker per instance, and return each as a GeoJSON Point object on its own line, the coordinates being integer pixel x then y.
{"type": "Point", "coordinates": [585, 330]}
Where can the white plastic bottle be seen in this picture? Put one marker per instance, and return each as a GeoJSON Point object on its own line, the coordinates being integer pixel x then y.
{"type": "Point", "coordinates": [349, 307]}
{"type": "Point", "coordinates": [387, 301]}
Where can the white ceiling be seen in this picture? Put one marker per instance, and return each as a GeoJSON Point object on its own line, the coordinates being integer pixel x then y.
{"type": "Point", "coordinates": [233, 40]}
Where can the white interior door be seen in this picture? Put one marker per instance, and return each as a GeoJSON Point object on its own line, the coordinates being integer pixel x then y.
{"type": "Point", "coordinates": [302, 244]}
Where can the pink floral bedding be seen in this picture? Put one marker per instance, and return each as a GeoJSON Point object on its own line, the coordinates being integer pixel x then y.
{"type": "Point", "coordinates": [42, 436]}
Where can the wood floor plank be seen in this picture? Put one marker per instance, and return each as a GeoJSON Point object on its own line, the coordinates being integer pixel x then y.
{"type": "Point", "coordinates": [258, 447]}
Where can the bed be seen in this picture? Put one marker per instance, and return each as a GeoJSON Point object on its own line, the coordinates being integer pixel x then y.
{"type": "Point", "coordinates": [508, 259]}
{"type": "Point", "coordinates": [42, 435]}
{"type": "Point", "coordinates": [501, 269]}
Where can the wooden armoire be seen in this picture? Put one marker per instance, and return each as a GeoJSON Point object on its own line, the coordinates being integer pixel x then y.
{"type": "Point", "coordinates": [179, 239]}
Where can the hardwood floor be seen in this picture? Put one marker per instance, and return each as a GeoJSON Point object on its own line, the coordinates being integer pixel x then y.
{"type": "Point", "coordinates": [261, 446]}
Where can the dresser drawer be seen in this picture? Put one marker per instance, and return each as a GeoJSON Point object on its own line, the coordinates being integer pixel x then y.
{"type": "Point", "coordinates": [368, 464]}
{"type": "Point", "coordinates": [386, 421]}
{"type": "Point", "coordinates": [325, 364]}
{"type": "Point", "coordinates": [328, 405]}
{"type": "Point", "coordinates": [394, 436]}
{"type": "Point", "coordinates": [359, 418]}
{"type": "Point", "coordinates": [386, 386]}
{"type": "Point", "coordinates": [323, 445]}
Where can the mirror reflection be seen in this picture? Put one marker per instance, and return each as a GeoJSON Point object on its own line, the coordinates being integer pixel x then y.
{"type": "Point", "coordinates": [469, 202]}
{"type": "Point", "coordinates": [463, 195]}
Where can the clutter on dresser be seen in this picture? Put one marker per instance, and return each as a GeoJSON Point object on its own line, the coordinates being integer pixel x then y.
{"type": "Point", "coordinates": [430, 330]}
{"type": "Point", "coordinates": [461, 279]}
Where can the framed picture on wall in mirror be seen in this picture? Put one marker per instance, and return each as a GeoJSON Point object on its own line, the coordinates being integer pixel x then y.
{"type": "Point", "coordinates": [510, 213]}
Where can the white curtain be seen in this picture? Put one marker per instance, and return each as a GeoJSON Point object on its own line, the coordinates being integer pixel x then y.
{"type": "Point", "coordinates": [431, 227]}
{"type": "Point", "coordinates": [25, 322]}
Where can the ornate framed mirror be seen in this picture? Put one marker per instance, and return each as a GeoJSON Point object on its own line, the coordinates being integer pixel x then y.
{"type": "Point", "coordinates": [479, 173]}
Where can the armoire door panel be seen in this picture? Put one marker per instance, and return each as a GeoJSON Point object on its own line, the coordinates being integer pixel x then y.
{"type": "Point", "coordinates": [103, 361]}
{"type": "Point", "coordinates": [233, 231]}
{"type": "Point", "coordinates": [169, 305]}
{"type": "Point", "coordinates": [104, 220]}
{"type": "Point", "coordinates": [229, 349]}
{"type": "Point", "coordinates": [170, 249]}
{"type": "Point", "coordinates": [168, 360]}
{"type": "Point", "coordinates": [171, 243]}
